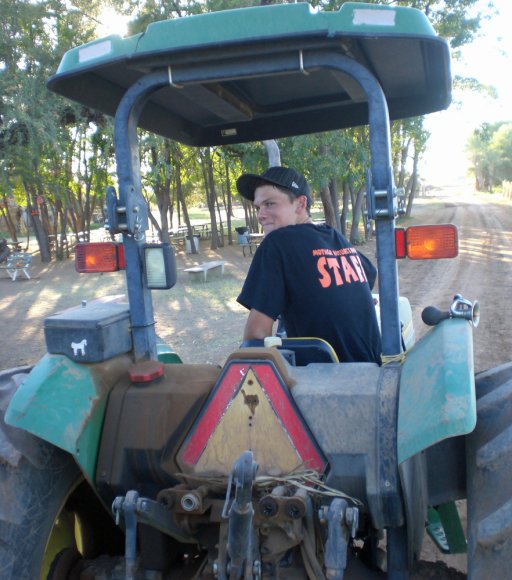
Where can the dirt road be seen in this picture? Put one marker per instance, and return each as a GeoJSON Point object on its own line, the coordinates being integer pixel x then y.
{"type": "Point", "coordinates": [483, 270]}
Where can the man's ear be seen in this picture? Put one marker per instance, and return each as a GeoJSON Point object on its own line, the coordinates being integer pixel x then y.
{"type": "Point", "coordinates": [302, 202]}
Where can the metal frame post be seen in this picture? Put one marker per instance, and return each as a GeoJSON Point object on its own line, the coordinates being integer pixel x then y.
{"type": "Point", "coordinates": [132, 202]}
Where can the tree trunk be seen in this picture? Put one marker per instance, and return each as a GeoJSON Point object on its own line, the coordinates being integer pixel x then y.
{"type": "Point", "coordinates": [220, 224]}
{"type": "Point", "coordinates": [209, 185]}
{"type": "Point", "coordinates": [4, 211]}
{"type": "Point", "coordinates": [212, 202]}
{"type": "Point", "coordinates": [251, 219]}
{"type": "Point", "coordinates": [162, 189]}
{"type": "Point", "coordinates": [330, 218]}
{"type": "Point", "coordinates": [229, 202]}
{"type": "Point", "coordinates": [404, 152]}
{"type": "Point", "coordinates": [356, 216]}
{"type": "Point", "coordinates": [87, 205]}
{"type": "Point", "coordinates": [33, 216]}
{"type": "Point", "coordinates": [335, 202]}
{"type": "Point", "coordinates": [412, 185]}
{"type": "Point", "coordinates": [71, 212]}
{"type": "Point", "coordinates": [181, 200]}
{"type": "Point", "coordinates": [344, 209]}
{"type": "Point", "coordinates": [61, 240]}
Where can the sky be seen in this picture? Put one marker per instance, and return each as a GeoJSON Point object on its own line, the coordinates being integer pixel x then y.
{"type": "Point", "coordinates": [489, 60]}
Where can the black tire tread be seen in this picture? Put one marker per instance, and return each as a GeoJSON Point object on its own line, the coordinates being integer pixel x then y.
{"type": "Point", "coordinates": [489, 477]}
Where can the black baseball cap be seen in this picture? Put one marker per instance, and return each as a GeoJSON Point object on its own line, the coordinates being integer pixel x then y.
{"type": "Point", "coordinates": [284, 177]}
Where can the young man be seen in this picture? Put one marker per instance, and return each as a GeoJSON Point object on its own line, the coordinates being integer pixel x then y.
{"type": "Point", "coordinates": [309, 274]}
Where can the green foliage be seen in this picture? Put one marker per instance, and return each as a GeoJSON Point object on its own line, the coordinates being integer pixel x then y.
{"type": "Point", "coordinates": [34, 142]}
{"type": "Point", "coordinates": [501, 147]}
{"type": "Point", "coordinates": [490, 151]}
{"type": "Point", "coordinates": [474, 85]}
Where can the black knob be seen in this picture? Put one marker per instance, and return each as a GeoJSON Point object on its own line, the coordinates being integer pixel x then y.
{"type": "Point", "coordinates": [432, 315]}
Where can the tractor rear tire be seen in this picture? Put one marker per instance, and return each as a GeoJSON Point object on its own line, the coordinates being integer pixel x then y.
{"type": "Point", "coordinates": [489, 477]}
{"type": "Point", "coordinates": [49, 517]}
{"type": "Point", "coordinates": [36, 479]}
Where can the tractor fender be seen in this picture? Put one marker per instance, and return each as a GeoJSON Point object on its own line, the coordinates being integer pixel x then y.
{"type": "Point", "coordinates": [64, 403]}
{"type": "Point", "coordinates": [351, 409]}
{"type": "Point", "coordinates": [437, 389]}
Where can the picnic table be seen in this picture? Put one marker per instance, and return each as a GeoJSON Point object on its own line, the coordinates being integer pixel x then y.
{"type": "Point", "coordinates": [253, 241]}
{"type": "Point", "coordinates": [177, 237]}
{"type": "Point", "coordinates": [202, 230]}
{"type": "Point", "coordinates": [63, 242]}
{"type": "Point", "coordinates": [16, 263]}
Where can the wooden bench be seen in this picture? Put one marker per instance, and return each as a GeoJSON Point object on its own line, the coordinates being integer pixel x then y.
{"type": "Point", "coordinates": [16, 263]}
{"type": "Point", "coordinates": [205, 268]}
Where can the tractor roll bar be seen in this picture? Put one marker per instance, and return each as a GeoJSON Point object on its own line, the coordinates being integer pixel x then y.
{"type": "Point", "coordinates": [133, 207]}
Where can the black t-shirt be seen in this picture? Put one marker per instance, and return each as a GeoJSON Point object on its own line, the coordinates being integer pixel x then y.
{"type": "Point", "coordinates": [320, 285]}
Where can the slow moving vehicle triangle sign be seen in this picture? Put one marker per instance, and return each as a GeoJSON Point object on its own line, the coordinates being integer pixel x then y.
{"type": "Point", "coordinates": [250, 408]}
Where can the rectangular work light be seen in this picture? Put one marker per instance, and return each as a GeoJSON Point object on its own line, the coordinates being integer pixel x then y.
{"type": "Point", "coordinates": [159, 266]}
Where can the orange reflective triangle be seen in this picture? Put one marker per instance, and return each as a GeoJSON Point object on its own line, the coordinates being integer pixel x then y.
{"type": "Point", "coordinates": [250, 408]}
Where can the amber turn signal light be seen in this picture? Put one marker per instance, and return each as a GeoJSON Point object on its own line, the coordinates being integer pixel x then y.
{"type": "Point", "coordinates": [427, 242]}
{"type": "Point", "coordinates": [99, 257]}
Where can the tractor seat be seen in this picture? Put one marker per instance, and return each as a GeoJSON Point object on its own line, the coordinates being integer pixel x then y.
{"type": "Point", "coordinates": [305, 350]}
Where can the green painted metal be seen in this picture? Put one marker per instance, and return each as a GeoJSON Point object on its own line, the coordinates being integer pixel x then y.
{"type": "Point", "coordinates": [256, 23]}
{"type": "Point", "coordinates": [281, 20]}
{"type": "Point", "coordinates": [64, 403]}
{"type": "Point", "coordinates": [109, 48]}
{"type": "Point", "coordinates": [165, 354]}
{"type": "Point", "coordinates": [436, 531]}
{"type": "Point", "coordinates": [437, 389]}
{"type": "Point", "coordinates": [445, 529]}
{"type": "Point", "coordinates": [453, 528]}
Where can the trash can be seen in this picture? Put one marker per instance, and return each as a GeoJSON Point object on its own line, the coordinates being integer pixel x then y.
{"type": "Point", "coordinates": [242, 234]}
{"type": "Point", "coordinates": [188, 245]}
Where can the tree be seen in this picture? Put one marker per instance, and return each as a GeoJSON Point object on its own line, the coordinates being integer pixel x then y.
{"type": "Point", "coordinates": [33, 36]}
{"type": "Point", "coordinates": [409, 139]}
{"type": "Point", "coordinates": [489, 151]}
{"type": "Point", "coordinates": [207, 161]}
{"type": "Point", "coordinates": [501, 148]}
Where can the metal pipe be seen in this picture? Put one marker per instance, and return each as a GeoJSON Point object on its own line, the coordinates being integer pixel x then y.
{"type": "Point", "coordinates": [130, 195]}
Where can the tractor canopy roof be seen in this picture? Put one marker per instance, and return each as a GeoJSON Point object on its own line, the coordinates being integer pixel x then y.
{"type": "Point", "coordinates": [264, 72]}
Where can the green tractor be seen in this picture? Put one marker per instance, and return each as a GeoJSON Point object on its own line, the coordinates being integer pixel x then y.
{"type": "Point", "coordinates": [117, 460]}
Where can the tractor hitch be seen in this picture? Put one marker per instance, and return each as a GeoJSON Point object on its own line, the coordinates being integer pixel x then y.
{"type": "Point", "coordinates": [141, 510]}
{"type": "Point", "coordinates": [342, 524]}
{"type": "Point", "coordinates": [242, 560]}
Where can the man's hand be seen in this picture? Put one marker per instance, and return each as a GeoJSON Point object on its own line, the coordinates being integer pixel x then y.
{"type": "Point", "coordinates": [258, 325]}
